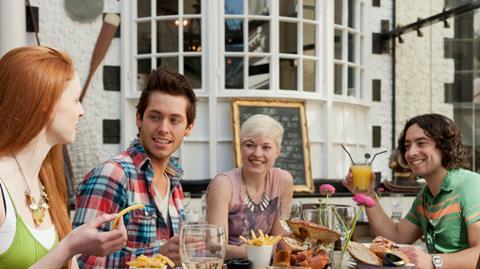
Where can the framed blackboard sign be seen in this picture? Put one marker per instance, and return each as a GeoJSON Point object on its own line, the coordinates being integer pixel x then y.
{"type": "Point", "coordinates": [295, 155]}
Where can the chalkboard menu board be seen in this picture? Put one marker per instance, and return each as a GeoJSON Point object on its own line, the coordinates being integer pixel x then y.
{"type": "Point", "coordinates": [295, 156]}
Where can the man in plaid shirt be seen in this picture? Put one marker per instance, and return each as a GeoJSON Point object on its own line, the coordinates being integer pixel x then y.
{"type": "Point", "coordinates": [144, 174]}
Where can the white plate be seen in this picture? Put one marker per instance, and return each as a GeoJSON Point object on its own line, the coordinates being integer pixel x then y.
{"type": "Point", "coordinates": [360, 265]}
{"type": "Point", "coordinates": [353, 263]}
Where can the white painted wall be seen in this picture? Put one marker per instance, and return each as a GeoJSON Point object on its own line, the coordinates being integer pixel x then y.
{"type": "Point", "coordinates": [421, 69]}
{"type": "Point", "coordinates": [78, 40]}
{"type": "Point", "coordinates": [12, 25]}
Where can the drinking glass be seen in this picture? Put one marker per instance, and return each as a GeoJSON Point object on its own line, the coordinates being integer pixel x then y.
{"type": "Point", "coordinates": [343, 220]}
{"type": "Point", "coordinates": [361, 176]}
{"type": "Point", "coordinates": [202, 246]}
{"type": "Point", "coordinates": [287, 210]}
{"type": "Point", "coordinates": [397, 211]}
{"type": "Point", "coordinates": [322, 216]}
{"type": "Point", "coordinates": [187, 198]}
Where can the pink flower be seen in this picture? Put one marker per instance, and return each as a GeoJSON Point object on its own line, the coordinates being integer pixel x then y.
{"type": "Point", "coordinates": [327, 189]}
{"type": "Point", "coordinates": [381, 190]}
{"type": "Point", "coordinates": [362, 199]}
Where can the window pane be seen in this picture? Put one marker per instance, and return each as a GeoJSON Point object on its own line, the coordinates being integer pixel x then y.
{"type": "Point", "coordinates": [309, 75]}
{"type": "Point", "coordinates": [192, 35]}
{"type": "Point", "coordinates": [309, 9]}
{"type": "Point", "coordinates": [351, 47]}
{"type": "Point", "coordinates": [143, 8]}
{"type": "Point", "coordinates": [259, 73]}
{"type": "Point", "coordinates": [362, 45]}
{"type": "Point", "coordinates": [167, 36]}
{"type": "Point", "coordinates": [170, 62]}
{"type": "Point", "coordinates": [144, 67]}
{"type": "Point", "coordinates": [351, 82]}
{"type": "Point", "coordinates": [338, 44]}
{"type": "Point", "coordinates": [234, 35]}
{"type": "Point", "coordinates": [288, 37]}
{"type": "Point", "coordinates": [338, 11]}
{"type": "Point", "coordinates": [192, 6]}
{"type": "Point", "coordinates": [192, 70]}
{"type": "Point", "coordinates": [143, 37]}
{"type": "Point", "coordinates": [258, 7]}
{"type": "Point", "coordinates": [351, 13]}
{"type": "Point", "coordinates": [337, 89]}
{"type": "Point", "coordinates": [233, 73]}
{"type": "Point", "coordinates": [167, 7]}
{"type": "Point", "coordinates": [288, 8]}
{"type": "Point", "coordinates": [233, 6]}
{"type": "Point", "coordinates": [259, 36]}
{"type": "Point", "coordinates": [309, 39]}
{"type": "Point", "coordinates": [288, 74]}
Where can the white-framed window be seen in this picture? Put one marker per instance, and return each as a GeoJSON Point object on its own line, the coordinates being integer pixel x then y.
{"type": "Point", "coordinates": [349, 41]}
{"type": "Point", "coordinates": [271, 45]}
{"type": "Point", "coordinates": [167, 33]}
{"type": "Point", "coordinates": [252, 48]}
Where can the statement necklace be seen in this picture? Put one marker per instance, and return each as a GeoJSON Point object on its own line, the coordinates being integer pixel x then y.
{"type": "Point", "coordinates": [37, 209]}
{"type": "Point", "coordinates": [248, 201]}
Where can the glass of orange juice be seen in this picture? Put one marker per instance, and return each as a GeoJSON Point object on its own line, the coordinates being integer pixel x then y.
{"type": "Point", "coordinates": [361, 175]}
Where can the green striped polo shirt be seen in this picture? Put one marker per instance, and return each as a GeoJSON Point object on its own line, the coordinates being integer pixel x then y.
{"type": "Point", "coordinates": [444, 218]}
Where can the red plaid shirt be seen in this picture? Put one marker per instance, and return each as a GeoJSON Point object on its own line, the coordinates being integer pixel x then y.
{"type": "Point", "coordinates": [118, 183]}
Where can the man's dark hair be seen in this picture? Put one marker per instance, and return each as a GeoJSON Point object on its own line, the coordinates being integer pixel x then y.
{"type": "Point", "coordinates": [447, 137]}
{"type": "Point", "coordinates": [170, 82]}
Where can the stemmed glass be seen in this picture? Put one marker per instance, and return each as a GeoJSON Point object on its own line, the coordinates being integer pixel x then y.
{"type": "Point", "coordinates": [288, 209]}
{"type": "Point", "coordinates": [202, 246]}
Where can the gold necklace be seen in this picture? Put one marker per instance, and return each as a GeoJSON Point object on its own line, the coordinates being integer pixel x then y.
{"type": "Point", "coordinates": [37, 209]}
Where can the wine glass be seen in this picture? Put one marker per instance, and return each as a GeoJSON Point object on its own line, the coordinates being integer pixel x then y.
{"type": "Point", "coordinates": [288, 209]}
{"type": "Point", "coordinates": [202, 246]}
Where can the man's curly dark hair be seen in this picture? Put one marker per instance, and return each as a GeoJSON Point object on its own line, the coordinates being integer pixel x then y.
{"type": "Point", "coordinates": [447, 136]}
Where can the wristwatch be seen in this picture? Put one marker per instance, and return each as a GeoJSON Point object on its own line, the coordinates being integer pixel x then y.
{"type": "Point", "coordinates": [437, 261]}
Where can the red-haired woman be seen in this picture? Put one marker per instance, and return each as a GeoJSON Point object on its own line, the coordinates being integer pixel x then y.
{"type": "Point", "coordinates": [39, 111]}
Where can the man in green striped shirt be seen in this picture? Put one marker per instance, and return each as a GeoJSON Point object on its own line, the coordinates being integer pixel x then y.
{"type": "Point", "coordinates": [447, 210]}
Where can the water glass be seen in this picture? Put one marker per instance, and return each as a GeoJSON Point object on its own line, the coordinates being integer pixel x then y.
{"type": "Point", "coordinates": [322, 216]}
{"type": "Point", "coordinates": [202, 246]}
{"type": "Point", "coordinates": [288, 209]}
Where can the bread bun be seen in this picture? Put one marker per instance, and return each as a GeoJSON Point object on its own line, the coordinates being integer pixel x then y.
{"type": "Point", "coordinates": [361, 253]}
{"type": "Point", "coordinates": [381, 245]}
{"type": "Point", "coordinates": [314, 231]}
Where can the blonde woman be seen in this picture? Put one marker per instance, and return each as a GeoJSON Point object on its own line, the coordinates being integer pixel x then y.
{"type": "Point", "coordinates": [246, 198]}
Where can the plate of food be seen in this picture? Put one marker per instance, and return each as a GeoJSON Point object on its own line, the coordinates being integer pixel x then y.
{"type": "Point", "coordinates": [307, 246]}
{"type": "Point", "coordinates": [381, 253]}
{"type": "Point", "coordinates": [144, 262]}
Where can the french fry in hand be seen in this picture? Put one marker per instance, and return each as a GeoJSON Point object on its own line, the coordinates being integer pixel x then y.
{"type": "Point", "coordinates": [261, 239]}
{"type": "Point", "coordinates": [123, 212]}
{"type": "Point", "coordinates": [157, 261]}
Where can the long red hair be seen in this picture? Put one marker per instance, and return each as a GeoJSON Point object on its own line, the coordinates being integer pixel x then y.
{"type": "Point", "coordinates": [32, 80]}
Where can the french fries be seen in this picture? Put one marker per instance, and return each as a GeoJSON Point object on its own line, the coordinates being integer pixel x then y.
{"type": "Point", "coordinates": [123, 212]}
{"type": "Point", "coordinates": [157, 261]}
{"type": "Point", "coordinates": [261, 239]}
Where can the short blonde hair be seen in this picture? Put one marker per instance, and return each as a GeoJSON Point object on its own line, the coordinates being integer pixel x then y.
{"type": "Point", "coordinates": [261, 125]}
